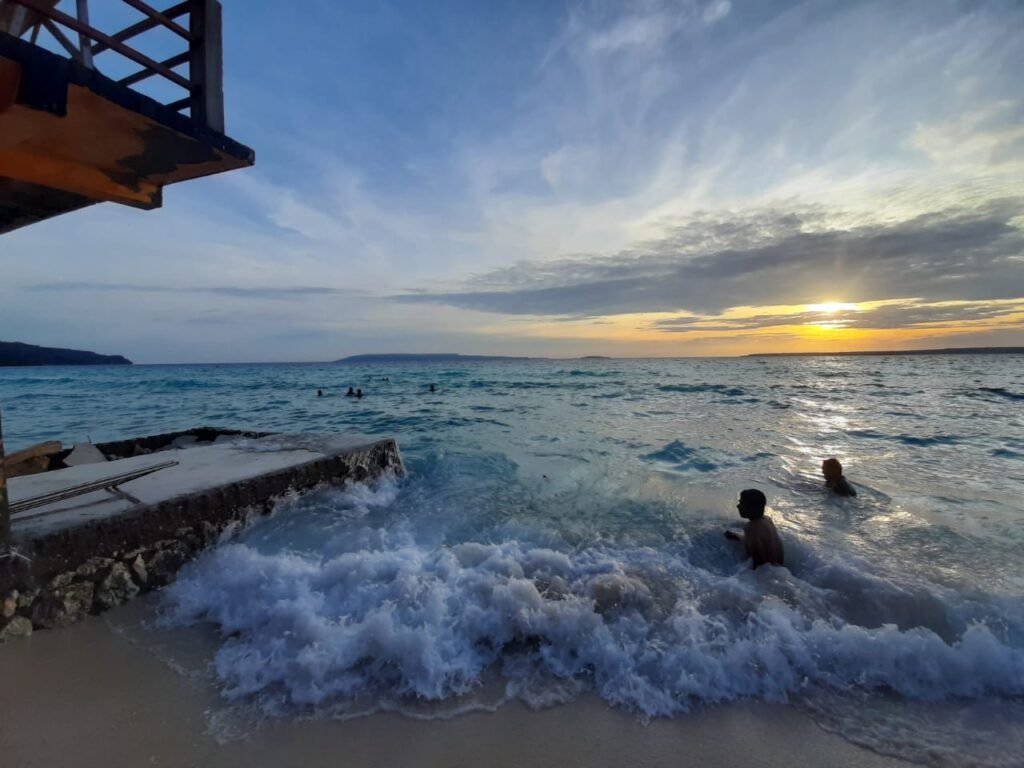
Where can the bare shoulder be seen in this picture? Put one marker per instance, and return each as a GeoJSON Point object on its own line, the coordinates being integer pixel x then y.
{"type": "Point", "coordinates": [761, 524]}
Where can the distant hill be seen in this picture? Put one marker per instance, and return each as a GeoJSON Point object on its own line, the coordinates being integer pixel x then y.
{"type": "Point", "coordinates": [942, 351]}
{"type": "Point", "coordinates": [428, 358]}
{"type": "Point", "coordinates": [16, 353]}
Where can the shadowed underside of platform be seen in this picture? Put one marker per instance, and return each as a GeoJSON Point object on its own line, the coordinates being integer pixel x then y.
{"type": "Point", "coordinates": [71, 137]}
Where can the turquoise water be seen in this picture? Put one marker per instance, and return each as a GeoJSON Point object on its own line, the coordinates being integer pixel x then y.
{"type": "Point", "coordinates": [559, 531]}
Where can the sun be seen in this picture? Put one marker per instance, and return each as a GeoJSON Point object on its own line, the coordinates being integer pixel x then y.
{"type": "Point", "coordinates": [831, 307]}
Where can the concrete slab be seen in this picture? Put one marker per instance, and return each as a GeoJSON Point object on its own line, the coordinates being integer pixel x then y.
{"type": "Point", "coordinates": [199, 469]}
{"type": "Point", "coordinates": [83, 553]}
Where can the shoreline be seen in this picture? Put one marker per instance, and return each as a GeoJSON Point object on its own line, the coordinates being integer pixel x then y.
{"type": "Point", "coordinates": [94, 695]}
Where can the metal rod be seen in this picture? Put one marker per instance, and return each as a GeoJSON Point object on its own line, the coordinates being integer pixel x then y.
{"type": "Point", "coordinates": [130, 53]}
{"type": "Point", "coordinates": [80, 490]}
{"type": "Point", "coordinates": [180, 104]}
{"type": "Point", "coordinates": [142, 26]}
{"type": "Point", "coordinates": [18, 16]}
{"type": "Point", "coordinates": [5, 510]}
{"type": "Point", "coordinates": [159, 18]}
{"type": "Point", "coordinates": [61, 38]}
{"type": "Point", "coordinates": [84, 45]}
{"type": "Point", "coordinates": [142, 74]}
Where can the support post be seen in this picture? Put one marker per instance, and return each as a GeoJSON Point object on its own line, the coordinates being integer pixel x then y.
{"type": "Point", "coordinates": [84, 43]}
{"type": "Point", "coordinates": [206, 65]}
{"type": "Point", "coordinates": [5, 510]}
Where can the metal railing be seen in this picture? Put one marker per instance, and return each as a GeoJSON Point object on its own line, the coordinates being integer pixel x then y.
{"type": "Point", "coordinates": [204, 83]}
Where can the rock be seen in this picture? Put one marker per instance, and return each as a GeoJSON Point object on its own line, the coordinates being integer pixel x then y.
{"type": "Point", "coordinates": [116, 587]}
{"type": "Point", "coordinates": [19, 626]}
{"type": "Point", "coordinates": [209, 533]}
{"type": "Point", "coordinates": [138, 569]}
{"type": "Point", "coordinates": [130, 556]}
{"type": "Point", "coordinates": [61, 580]}
{"type": "Point", "coordinates": [95, 568]}
{"type": "Point", "coordinates": [10, 604]}
{"type": "Point", "coordinates": [26, 598]}
{"type": "Point", "coordinates": [84, 453]}
{"type": "Point", "coordinates": [188, 537]}
{"type": "Point", "coordinates": [31, 466]}
{"type": "Point", "coordinates": [63, 606]}
{"type": "Point", "coordinates": [164, 564]}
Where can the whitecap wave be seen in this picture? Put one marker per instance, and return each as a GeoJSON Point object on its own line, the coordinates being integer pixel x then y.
{"type": "Point", "coordinates": [647, 629]}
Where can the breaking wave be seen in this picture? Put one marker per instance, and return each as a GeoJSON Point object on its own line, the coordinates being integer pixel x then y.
{"type": "Point", "coordinates": [377, 610]}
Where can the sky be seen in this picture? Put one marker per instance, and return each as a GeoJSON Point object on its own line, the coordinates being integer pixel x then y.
{"type": "Point", "coordinates": [654, 178]}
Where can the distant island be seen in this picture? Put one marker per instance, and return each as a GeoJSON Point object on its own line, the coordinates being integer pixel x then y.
{"type": "Point", "coordinates": [942, 351]}
{"type": "Point", "coordinates": [14, 353]}
{"type": "Point", "coordinates": [446, 357]}
{"type": "Point", "coordinates": [427, 358]}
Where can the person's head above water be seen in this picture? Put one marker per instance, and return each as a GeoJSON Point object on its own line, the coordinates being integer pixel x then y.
{"type": "Point", "coordinates": [831, 469]}
{"type": "Point", "coordinates": [752, 503]}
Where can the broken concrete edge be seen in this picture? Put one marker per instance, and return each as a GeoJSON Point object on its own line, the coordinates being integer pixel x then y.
{"type": "Point", "coordinates": [52, 454]}
{"type": "Point", "coordinates": [138, 446]}
{"type": "Point", "coordinates": [61, 578]}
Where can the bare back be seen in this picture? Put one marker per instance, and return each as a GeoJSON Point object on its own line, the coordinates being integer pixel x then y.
{"type": "Point", "coordinates": [762, 542]}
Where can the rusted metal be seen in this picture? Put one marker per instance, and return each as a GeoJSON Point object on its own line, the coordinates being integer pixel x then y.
{"type": "Point", "coordinates": [206, 64]}
{"type": "Point", "coordinates": [205, 80]}
{"type": "Point", "coordinates": [159, 18]}
{"type": "Point", "coordinates": [61, 38]}
{"type": "Point", "coordinates": [103, 484]}
{"type": "Point", "coordinates": [180, 104]}
{"type": "Point", "coordinates": [41, 176]}
{"type": "Point", "coordinates": [84, 44]}
{"type": "Point", "coordinates": [94, 34]}
{"type": "Point", "coordinates": [142, 74]}
{"type": "Point", "coordinates": [143, 26]}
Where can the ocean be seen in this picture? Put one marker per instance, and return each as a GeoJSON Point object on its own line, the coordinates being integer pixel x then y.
{"type": "Point", "coordinates": [559, 533]}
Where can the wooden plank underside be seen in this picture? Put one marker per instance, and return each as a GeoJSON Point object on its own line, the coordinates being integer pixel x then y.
{"type": "Point", "coordinates": [102, 151]}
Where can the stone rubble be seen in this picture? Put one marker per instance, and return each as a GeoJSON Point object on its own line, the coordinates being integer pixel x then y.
{"type": "Point", "coordinates": [100, 583]}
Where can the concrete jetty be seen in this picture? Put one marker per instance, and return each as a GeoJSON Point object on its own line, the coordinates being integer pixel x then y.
{"type": "Point", "coordinates": [91, 536]}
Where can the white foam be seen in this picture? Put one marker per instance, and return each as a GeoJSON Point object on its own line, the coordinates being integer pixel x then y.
{"type": "Point", "coordinates": [404, 619]}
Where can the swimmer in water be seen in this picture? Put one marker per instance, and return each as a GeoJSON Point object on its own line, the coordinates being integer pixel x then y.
{"type": "Point", "coordinates": [834, 480]}
{"type": "Point", "coordinates": [319, 393]}
{"type": "Point", "coordinates": [760, 540]}
{"type": "Point", "coordinates": [359, 393]}
{"type": "Point", "coordinates": [351, 392]}
{"type": "Point", "coordinates": [433, 388]}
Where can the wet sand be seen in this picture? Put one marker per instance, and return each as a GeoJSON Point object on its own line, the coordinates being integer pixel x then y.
{"type": "Point", "coordinates": [90, 696]}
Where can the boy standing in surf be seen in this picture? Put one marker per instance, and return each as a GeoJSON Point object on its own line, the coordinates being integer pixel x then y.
{"type": "Point", "coordinates": [760, 540]}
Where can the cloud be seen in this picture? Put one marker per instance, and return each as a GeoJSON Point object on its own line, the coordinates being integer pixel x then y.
{"type": "Point", "coordinates": [711, 262]}
{"type": "Point", "coordinates": [716, 11]}
{"type": "Point", "coordinates": [590, 129]}
{"type": "Point", "coordinates": [905, 314]}
{"type": "Point", "coordinates": [238, 292]}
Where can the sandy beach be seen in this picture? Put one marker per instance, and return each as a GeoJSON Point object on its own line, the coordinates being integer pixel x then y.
{"type": "Point", "coordinates": [92, 695]}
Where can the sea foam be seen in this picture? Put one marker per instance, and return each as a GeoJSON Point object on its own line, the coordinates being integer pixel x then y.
{"type": "Point", "coordinates": [376, 611]}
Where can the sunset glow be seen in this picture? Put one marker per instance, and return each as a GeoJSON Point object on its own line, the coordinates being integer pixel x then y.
{"type": "Point", "coordinates": [831, 307]}
{"type": "Point", "coordinates": [582, 190]}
